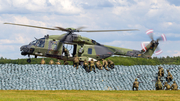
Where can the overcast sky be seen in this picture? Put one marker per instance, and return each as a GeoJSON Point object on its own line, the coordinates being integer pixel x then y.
{"type": "Point", "coordinates": [163, 16]}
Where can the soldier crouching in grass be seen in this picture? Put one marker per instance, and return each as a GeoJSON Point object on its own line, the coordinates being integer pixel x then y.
{"type": "Point", "coordinates": [135, 85]}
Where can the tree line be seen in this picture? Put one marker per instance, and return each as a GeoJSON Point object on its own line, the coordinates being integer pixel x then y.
{"type": "Point", "coordinates": [118, 60]}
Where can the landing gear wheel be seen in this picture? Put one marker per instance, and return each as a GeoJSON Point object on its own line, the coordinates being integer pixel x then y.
{"type": "Point", "coordinates": [29, 60]}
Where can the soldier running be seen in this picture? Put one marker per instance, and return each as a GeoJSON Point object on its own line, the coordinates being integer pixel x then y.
{"type": "Point", "coordinates": [76, 61]}
{"type": "Point", "coordinates": [105, 63]}
{"type": "Point", "coordinates": [110, 64]}
{"type": "Point", "coordinates": [92, 65]}
{"type": "Point", "coordinates": [167, 86]}
{"type": "Point", "coordinates": [135, 85]}
{"type": "Point", "coordinates": [174, 86]}
{"type": "Point", "coordinates": [169, 76]}
{"type": "Point", "coordinates": [99, 65]}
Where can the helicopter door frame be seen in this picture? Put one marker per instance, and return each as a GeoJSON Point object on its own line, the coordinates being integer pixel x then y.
{"type": "Point", "coordinates": [72, 50]}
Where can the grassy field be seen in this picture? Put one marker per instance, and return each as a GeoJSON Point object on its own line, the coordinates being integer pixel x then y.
{"type": "Point", "coordinates": [75, 95]}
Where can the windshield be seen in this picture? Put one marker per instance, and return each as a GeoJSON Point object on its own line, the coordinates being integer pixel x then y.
{"type": "Point", "coordinates": [38, 42]}
{"type": "Point", "coordinates": [33, 42]}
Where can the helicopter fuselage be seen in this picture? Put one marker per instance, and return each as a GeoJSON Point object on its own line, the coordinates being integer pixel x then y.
{"type": "Point", "coordinates": [84, 48]}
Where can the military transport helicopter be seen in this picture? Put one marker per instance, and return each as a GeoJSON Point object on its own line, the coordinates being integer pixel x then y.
{"type": "Point", "coordinates": [85, 48]}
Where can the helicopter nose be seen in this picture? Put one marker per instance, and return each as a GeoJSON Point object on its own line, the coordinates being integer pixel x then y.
{"type": "Point", "coordinates": [24, 49]}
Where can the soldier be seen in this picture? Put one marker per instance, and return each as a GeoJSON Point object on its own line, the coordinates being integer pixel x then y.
{"type": "Point", "coordinates": [86, 66]}
{"type": "Point", "coordinates": [174, 86]}
{"type": "Point", "coordinates": [110, 64]}
{"type": "Point", "coordinates": [162, 71]}
{"type": "Point", "coordinates": [76, 61]}
{"type": "Point", "coordinates": [105, 63]}
{"type": "Point", "coordinates": [42, 61]}
{"type": "Point", "coordinates": [65, 62]}
{"type": "Point", "coordinates": [99, 65]}
{"type": "Point", "coordinates": [135, 85]}
{"type": "Point", "coordinates": [65, 50]}
{"type": "Point", "coordinates": [58, 62]}
{"type": "Point", "coordinates": [159, 72]}
{"type": "Point", "coordinates": [51, 62]}
{"type": "Point", "coordinates": [158, 85]}
{"type": "Point", "coordinates": [92, 65]}
{"type": "Point", "coordinates": [167, 86]}
{"type": "Point", "coordinates": [169, 76]}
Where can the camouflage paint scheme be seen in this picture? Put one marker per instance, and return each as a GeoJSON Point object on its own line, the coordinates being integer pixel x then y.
{"type": "Point", "coordinates": [84, 48]}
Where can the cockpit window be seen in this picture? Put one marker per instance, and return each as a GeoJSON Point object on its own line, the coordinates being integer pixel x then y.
{"type": "Point", "coordinates": [33, 42]}
{"type": "Point", "coordinates": [96, 43]}
{"type": "Point", "coordinates": [38, 42]}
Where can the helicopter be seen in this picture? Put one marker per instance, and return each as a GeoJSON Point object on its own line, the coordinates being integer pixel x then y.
{"type": "Point", "coordinates": [53, 46]}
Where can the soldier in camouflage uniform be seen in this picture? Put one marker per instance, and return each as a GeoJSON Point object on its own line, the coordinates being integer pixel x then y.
{"type": "Point", "coordinates": [162, 71]}
{"type": "Point", "coordinates": [76, 61]}
{"type": "Point", "coordinates": [92, 65]}
{"type": "Point", "coordinates": [51, 62]}
{"type": "Point", "coordinates": [174, 86]}
{"type": "Point", "coordinates": [105, 63]}
{"type": "Point", "coordinates": [158, 85]}
{"type": "Point", "coordinates": [159, 72]}
{"type": "Point", "coordinates": [42, 61]}
{"type": "Point", "coordinates": [167, 86]}
{"type": "Point", "coordinates": [65, 62]}
{"type": "Point", "coordinates": [86, 66]}
{"type": "Point", "coordinates": [135, 85]}
{"type": "Point", "coordinates": [99, 65]}
{"type": "Point", "coordinates": [110, 64]}
{"type": "Point", "coordinates": [169, 76]}
{"type": "Point", "coordinates": [58, 62]}
{"type": "Point", "coordinates": [65, 50]}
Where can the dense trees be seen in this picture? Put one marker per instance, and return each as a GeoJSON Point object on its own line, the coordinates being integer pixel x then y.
{"type": "Point", "coordinates": [118, 60]}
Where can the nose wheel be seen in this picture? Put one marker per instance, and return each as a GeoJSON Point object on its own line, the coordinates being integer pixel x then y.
{"type": "Point", "coordinates": [29, 60]}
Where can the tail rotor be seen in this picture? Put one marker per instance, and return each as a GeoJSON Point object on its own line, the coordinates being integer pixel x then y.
{"type": "Point", "coordinates": [153, 45]}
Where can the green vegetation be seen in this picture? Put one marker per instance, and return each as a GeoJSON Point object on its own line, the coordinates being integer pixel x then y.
{"type": "Point", "coordinates": [76, 95]}
{"type": "Point", "coordinates": [118, 60]}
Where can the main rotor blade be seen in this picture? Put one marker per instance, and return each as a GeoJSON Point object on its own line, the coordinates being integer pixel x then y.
{"type": "Point", "coordinates": [32, 26]}
{"type": "Point", "coordinates": [158, 51]}
{"type": "Point", "coordinates": [62, 29]}
{"type": "Point", "coordinates": [150, 33]}
{"type": "Point", "coordinates": [108, 30]}
{"type": "Point", "coordinates": [162, 38]}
